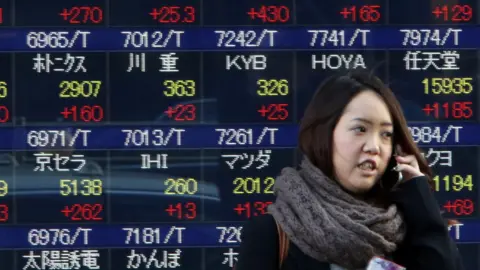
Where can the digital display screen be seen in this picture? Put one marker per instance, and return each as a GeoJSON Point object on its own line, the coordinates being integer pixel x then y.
{"type": "Point", "coordinates": [143, 134]}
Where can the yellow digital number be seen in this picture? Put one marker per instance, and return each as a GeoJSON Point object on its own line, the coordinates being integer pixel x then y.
{"type": "Point", "coordinates": [79, 89]}
{"type": "Point", "coordinates": [455, 182]}
{"type": "Point", "coordinates": [253, 185]}
{"type": "Point", "coordinates": [272, 87]}
{"type": "Point", "coordinates": [3, 89]}
{"type": "Point", "coordinates": [181, 186]}
{"type": "Point", "coordinates": [447, 86]}
{"type": "Point", "coordinates": [84, 187]}
{"type": "Point", "coordinates": [179, 88]}
{"type": "Point", "coordinates": [3, 188]}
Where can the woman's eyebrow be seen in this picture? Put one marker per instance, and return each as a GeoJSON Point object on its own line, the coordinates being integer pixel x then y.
{"type": "Point", "coordinates": [370, 122]}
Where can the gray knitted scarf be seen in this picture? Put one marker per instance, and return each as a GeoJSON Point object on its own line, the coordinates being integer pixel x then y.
{"type": "Point", "coordinates": [330, 225]}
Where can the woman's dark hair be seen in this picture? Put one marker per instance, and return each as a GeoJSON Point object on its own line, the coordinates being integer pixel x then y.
{"type": "Point", "coordinates": [325, 109]}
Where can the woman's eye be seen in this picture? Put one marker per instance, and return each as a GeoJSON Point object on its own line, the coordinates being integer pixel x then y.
{"type": "Point", "coordinates": [388, 134]}
{"type": "Point", "coordinates": [360, 129]}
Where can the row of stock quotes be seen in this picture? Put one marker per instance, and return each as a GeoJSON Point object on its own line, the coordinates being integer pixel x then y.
{"type": "Point", "coordinates": [143, 136]}
{"type": "Point", "coordinates": [249, 12]}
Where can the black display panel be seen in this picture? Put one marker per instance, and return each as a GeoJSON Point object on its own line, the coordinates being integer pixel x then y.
{"type": "Point", "coordinates": [143, 134]}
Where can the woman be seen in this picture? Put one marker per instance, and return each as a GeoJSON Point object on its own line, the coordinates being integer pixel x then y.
{"type": "Point", "coordinates": [362, 190]}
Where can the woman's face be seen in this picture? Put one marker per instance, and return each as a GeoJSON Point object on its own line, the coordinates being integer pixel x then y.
{"type": "Point", "coordinates": [362, 142]}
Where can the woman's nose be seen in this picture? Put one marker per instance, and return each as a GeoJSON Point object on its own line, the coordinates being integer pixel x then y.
{"type": "Point", "coordinates": [372, 145]}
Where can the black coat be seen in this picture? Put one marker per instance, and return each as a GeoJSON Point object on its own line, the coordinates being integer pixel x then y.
{"type": "Point", "coordinates": [427, 244]}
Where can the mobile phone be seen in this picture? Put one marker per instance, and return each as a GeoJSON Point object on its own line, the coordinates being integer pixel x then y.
{"type": "Point", "coordinates": [399, 175]}
{"type": "Point", "coordinates": [377, 263]}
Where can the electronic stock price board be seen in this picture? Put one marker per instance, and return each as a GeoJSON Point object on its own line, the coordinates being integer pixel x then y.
{"type": "Point", "coordinates": [142, 134]}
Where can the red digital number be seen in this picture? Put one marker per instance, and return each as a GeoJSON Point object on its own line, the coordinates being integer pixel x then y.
{"type": "Point", "coordinates": [274, 112]}
{"type": "Point", "coordinates": [271, 14]}
{"type": "Point", "coordinates": [3, 212]}
{"type": "Point", "coordinates": [457, 110]}
{"type": "Point", "coordinates": [180, 211]}
{"type": "Point", "coordinates": [182, 112]}
{"type": "Point", "coordinates": [366, 13]}
{"type": "Point", "coordinates": [249, 209]}
{"type": "Point", "coordinates": [86, 113]}
{"type": "Point", "coordinates": [83, 212]}
{"type": "Point", "coordinates": [173, 14]}
{"type": "Point", "coordinates": [460, 207]}
{"type": "Point", "coordinates": [4, 114]}
{"type": "Point", "coordinates": [77, 15]}
{"type": "Point", "coordinates": [455, 13]}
